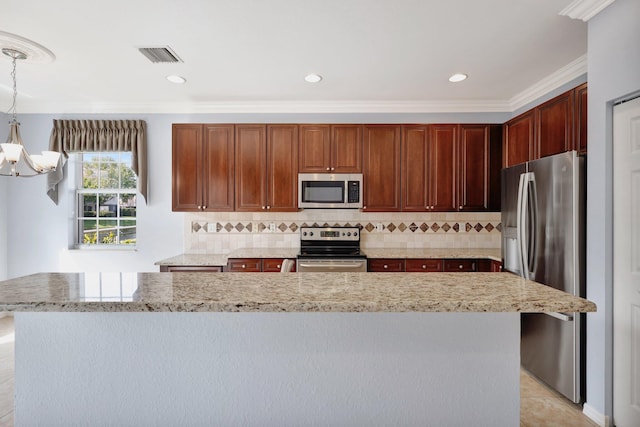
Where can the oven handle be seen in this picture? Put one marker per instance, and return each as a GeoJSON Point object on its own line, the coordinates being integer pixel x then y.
{"type": "Point", "coordinates": [319, 264]}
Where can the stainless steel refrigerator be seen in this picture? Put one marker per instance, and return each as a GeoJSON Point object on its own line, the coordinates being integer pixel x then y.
{"type": "Point", "coordinates": [543, 237]}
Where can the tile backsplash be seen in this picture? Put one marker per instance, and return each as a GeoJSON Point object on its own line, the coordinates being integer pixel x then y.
{"type": "Point", "coordinates": [222, 232]}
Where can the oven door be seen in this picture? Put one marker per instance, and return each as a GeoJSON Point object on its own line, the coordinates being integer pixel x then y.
{"type": "Point", "coordinates": [332, 265]}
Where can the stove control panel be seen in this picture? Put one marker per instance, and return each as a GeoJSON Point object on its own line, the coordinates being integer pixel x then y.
{"type": "Point", "coordinates": [330, 233]}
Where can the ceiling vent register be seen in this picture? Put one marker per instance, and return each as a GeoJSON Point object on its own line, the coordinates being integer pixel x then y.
{"type": "Point", "coordinates": [160, 54]}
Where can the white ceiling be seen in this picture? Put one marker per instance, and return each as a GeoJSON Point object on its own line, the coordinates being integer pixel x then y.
{"type": "Point", "coordinates": [252, 55]}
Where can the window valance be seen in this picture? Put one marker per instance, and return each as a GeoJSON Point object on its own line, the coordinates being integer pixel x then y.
{"type": "Point", "coordinates": [68, 136]}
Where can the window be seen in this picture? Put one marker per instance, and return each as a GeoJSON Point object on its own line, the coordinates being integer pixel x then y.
{"type": "Point", "coordinates": [106, 200]}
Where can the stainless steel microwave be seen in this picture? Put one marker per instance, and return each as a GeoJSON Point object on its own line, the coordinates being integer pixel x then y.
{"type": "Point", "coordinates": [330, 190]}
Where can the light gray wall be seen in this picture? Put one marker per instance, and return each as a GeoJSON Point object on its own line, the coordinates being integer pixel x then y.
{"type": "Point", "coordinates": [614, 73]}
{"type": "Point", "coordinates": [4, 201]}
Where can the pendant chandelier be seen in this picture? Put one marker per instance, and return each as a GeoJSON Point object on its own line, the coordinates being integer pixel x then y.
{"type": "Point", "coordinates": [14, 158]}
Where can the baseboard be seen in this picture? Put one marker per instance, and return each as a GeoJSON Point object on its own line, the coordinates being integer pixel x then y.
{"type": "Point", "coordinates": [595, 416]}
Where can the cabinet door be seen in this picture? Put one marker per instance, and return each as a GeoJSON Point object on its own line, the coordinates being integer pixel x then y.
{"type": "Point", "coordinates": [282, 168]}
{"type": "Point", "coordinates": [518, 139]}
{"type": "Point", "coordinates": [383, 265]}
{"type": "Point", "coordinates": [414, 168]}
{"type": "Point", "coordinates": [554, 132]}
{"type": "Point", "coordinates": [251, 162]}
{"type": "Point", "coordinates": [218, 168]}
{"type": "Point", "coordinates": [415, 265]}
{"type": "Point", "coordinates": [273, 265]}
{"type": "Point", "coordinates": [186, 174]}
{"type": "Point", "coordinates": [473, 168]}
{"type": "Point", "coordinates": [315, 155]}
{"type": "Point", "coordinates": [442, 168]}
{"type": "Point", "coordinates": [191, 268]}
{"type": "Point", "coordinates": [346, 149]}
{"type": "Point", "coordinates": [381, 168]}
{"type": "Point", "coordinates": [580, 119]}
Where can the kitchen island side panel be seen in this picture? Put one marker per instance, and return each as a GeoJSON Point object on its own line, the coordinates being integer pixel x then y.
{"type": "Point", "coordinates": [157, 369]}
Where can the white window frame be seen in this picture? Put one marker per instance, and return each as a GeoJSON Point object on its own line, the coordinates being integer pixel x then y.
{"type": "Point", "coordinates": [79, 217]}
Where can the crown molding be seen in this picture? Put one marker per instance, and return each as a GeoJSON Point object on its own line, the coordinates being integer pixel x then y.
{"type": "Point", "coordinates": [584, 9]}
{"type": "Point", "coordinates": [571, 71]}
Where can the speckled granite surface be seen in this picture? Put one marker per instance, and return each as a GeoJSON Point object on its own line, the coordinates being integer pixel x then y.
{"type": "Point", "coordinates": [221, 260]}
{"type": "Point", "coordinates": [290, 292]}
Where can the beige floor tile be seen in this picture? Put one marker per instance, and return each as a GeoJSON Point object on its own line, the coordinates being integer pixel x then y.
{"type": "Point", "coordinates": [530, 387]}
{"type": "Point", "coordinates": [551, 412]}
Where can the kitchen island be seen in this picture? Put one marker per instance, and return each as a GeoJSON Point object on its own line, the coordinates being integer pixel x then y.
{"type": "Point", "coordinates": [272, 349]}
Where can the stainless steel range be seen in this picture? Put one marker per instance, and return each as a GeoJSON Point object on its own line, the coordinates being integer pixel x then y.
{"type": "Point", "coordinates": [331, 249]}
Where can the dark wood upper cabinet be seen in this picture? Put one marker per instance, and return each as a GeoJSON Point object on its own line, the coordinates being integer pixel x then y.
{"type": "Point", "coordinates": [474, 168]}
{"type": "Point", "coordinates": [415, 157]}
{"type": "Point", "coordinates": [580, 119]}
{"type": "Point", "coordinates": [330, 148]}
{"type": "Point", "coordinates": [282, 168]}
{"type": "Point", "coordinates": [519, 139]}
{"type": "Point", "coordinates": [202, 167]}
{"type": "Point", "coordinates": [251, 168]}
{"type": "Point", "coordinates": [442, 170]}
{"type": "Point", "coordinates": [381, 168]}
{"type": "Point", "coordinates": [554, 126]}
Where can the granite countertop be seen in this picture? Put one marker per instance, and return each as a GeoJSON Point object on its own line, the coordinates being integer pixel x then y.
{"type": "Point", "coordinates": [221, 259]}
{"type": "Point", "coordinates": [284, 292]}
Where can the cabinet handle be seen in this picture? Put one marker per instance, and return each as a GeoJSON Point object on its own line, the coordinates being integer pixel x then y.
{"type": "Point", "coordinates": [277, 265]}
{"type": "Point", "coordinates": [333, 169]}
{"type": "Point", "coordinates": [424, 267]}
{"type": "Point", "coordinates": [199, 207]}
{"type": "Point", "coordinates": [204, 207]}
{"type": "Point", "coordinates": [385, 266]}
{"type": "Point", "coordinates": [264, 207]}
{"type": "Point", "coordinates": [460, 266]}
{"type": "Point", "coordinates": [268, 207]}
{"type": "Point", "coordinates": [328, 169]}
{"type": "Point", "coordinates": [460, 207]}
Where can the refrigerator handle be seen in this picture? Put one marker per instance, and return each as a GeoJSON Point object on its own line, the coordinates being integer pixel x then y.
{"type": "Point", "coordinates": [521, 215]}
{"type": "Point", "coordinates": [533, 238]}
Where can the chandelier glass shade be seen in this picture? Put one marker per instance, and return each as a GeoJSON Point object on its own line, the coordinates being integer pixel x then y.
{"type": "Point", "coordinates": [14, 158]}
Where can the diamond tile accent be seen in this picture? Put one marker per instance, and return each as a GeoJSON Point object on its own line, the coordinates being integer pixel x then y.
{"type": "Point", "coordinates": [195, 227]}
{"type": "Point", "coordinates": [499, 227]}
{"type": "Point", "coordinates": [391, 227]}
{"type": "Point", "coordinates": [424, 227]}
{"type": "Point", "coordinates": [369, 227]}
{"type": "Point", "coordinates": [293, 226]}
{"type": "Point", "coordinates": [402, 227]}
{"type": "Point", "coordinates": [228, 226]}
{"type": "Point", "coordinates": [250, 227]}
{"type": "Point", "coordinates": [239, 226]}
{"type": "Point", "coordinates": [478, 227]}
{"type": "Point", "coordinates": [467, 227]}
{"type": "Point", "coordinates": [435, 227]}
{"type": "Point", "coordinates": [446, 227]}
{"type": "Point", "coordinates": [489, 227]}
{"type": "Point", "coordinates": [413, 227]}
{"type": "Point", "coordinates": [282, 227]}
{"type": "Point", "coordinates": [218, 227]}
{"type": "Point", "coordinates": [456, 227]}
{"type": "Point", "coordinates": [348, 225]}
{"type": "Point", "coordinates": [261, 227]}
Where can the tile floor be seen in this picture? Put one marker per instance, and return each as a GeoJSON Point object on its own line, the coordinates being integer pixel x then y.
{"type": "Point", "coordinates": [539, 406]}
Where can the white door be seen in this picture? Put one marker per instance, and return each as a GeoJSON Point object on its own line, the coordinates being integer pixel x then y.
{"type": "Point", "coordinates": [626, 265]}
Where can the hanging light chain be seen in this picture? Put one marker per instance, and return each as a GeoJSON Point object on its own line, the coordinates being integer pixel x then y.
{"type": "Point", "coordinates": [15, 55]}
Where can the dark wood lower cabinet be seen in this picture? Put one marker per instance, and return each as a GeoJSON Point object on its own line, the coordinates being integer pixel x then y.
{"type": "Point", "coordinates": [414, 265]}
{"type": "Point", "coordinates": [254, 265]}
{"type": "Point", "coordinates": [460, 265]}
{"type": "Point", "coordinates": [384, 265]}
{"type": "Point", "coordinates": [273, 265]}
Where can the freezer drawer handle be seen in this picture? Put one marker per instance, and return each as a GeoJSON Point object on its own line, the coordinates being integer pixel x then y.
{"type": "Point", "coordinates": [561, 316]}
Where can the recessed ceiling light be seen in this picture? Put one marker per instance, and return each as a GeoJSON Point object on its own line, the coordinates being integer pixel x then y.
{"type": "Point", "coordinates": [176, 79]}
{"type": "Point", "coordinates": [458, 78]}
{"type": "Point", "coordinates": [313, 78]}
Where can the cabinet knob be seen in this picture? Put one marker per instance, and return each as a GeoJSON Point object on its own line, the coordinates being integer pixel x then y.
{"type": "Point", "coordinates": [460, 266]}
{"type": "Point", "coordinates": [204, 207]}
{"type": "Point", "coordinates": [244, 266]}
{"type": "Point", "coordinates": [424, 267]}
{"type": "Point", "coordinates": [328, 169]}
{"type": "Point", "coordinates": [460, 207]}
{"type": "Point", "coordinates": [385, 266]}
{"type": "Point", "coordinates": [268, 207]}
{"type": "Point", "coordinates": [264, 207]}
{"type": "Point", "coordinates": [333, 169]}
{"type": "Point", "coordinates": [277, 265]}
{"type": "Point", "coordinates": [199, 207]}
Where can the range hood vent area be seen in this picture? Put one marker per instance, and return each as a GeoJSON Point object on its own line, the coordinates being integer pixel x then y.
{"type": "Point", "coordinates": [160, 54]}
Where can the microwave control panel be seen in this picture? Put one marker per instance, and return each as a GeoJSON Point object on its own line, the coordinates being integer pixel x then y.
{"type": "Point", "coordinates": [353, 195]}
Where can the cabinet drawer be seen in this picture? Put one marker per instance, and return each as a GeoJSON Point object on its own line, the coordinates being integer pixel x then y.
{"type": "Point", "coordinates": [463, 265]}
{"type": "Point", "coordinates": [424, 265]}
{"type": "Point", "coordinates": [273, 265]}
{"type": "Point", "coordinates": [385, 265]}
{"type": "Point", "coordinates": [247, 265]}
